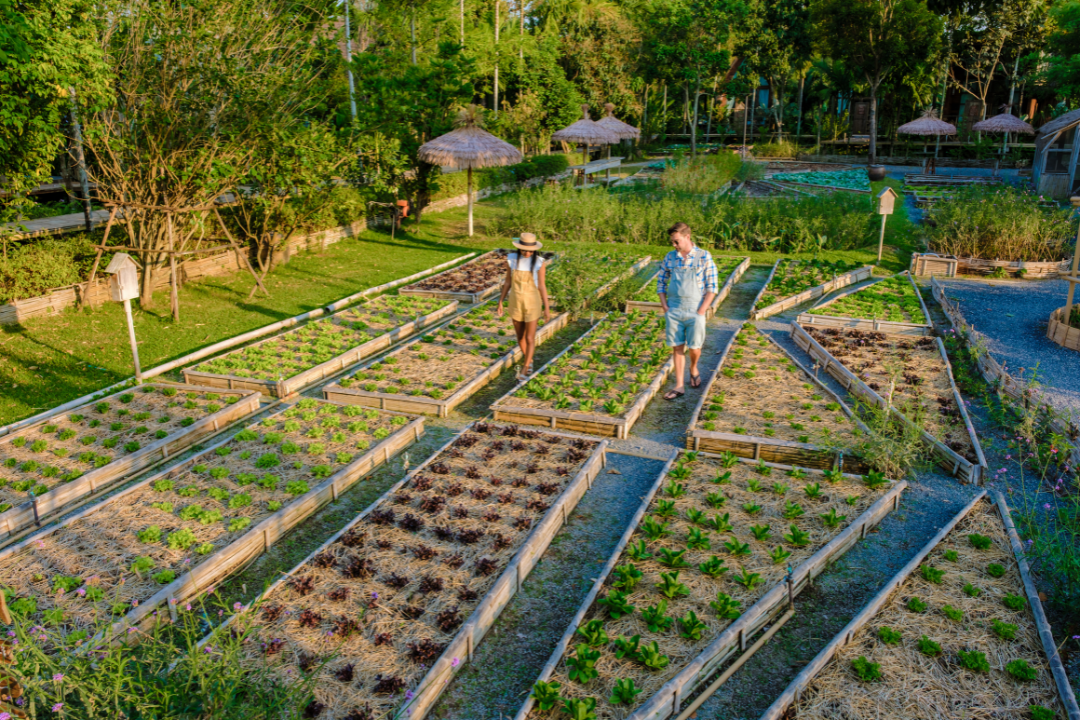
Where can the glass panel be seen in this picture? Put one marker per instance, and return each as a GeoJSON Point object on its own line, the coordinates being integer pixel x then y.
{"type": "Point", "coordinates": [1057, 161]}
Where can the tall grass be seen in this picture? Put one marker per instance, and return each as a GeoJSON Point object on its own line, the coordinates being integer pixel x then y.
{"type": "Point", "coordinates": [998, 224]}
{"type": "Point", "coordinates": [784, 149]}
{"type": "Point", "coordinates": [841, 221]}
{"type": "Point", "coordinates": [702, 175]}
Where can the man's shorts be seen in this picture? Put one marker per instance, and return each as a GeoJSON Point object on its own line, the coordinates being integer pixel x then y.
{"type": "Point", "coordinates": [685, 327]}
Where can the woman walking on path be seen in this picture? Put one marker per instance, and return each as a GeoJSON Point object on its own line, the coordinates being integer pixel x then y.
{"type": "Point", "coordinates": [528, 294]}
{"type": "Point", "coordinates": [687, 285]}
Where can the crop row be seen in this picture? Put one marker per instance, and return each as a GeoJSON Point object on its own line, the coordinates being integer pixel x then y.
{"type": "Point", "coordinates": [474, 277]}
{"type": "Point", "coordinates": [791, 277]}
{"type": "Point", "coordinates": [893, 299]}
{"type": "Point", "coordinates": [847, 179]}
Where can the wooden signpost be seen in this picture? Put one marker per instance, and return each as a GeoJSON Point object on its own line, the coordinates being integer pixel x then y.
{"type": "Point", "coordinates": [886, 200]}
{"type": "Point", "coordinates": [124, 287]}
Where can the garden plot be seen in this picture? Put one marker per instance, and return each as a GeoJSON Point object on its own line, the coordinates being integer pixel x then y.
{"type": "Point", "coordinates": [67, 457]}
{"type": "Point", "coordinates": [760, 403]}
{"type": "Point", "coordinates": [892, 305]}
{"type": "Point", "coordinates": [731, 268]}
{"type": "Point", "coordinates": [959, 632]}
{"type": "Point", "coordinates": [915, 376]}
{"type": "Point", "coordinates": [701, 569]}
{"type": "Point", "coordinates": [438, 372]}
{"type": "Point", "coordinates": [385, 613]}
{"type": "Point", "coordinates": [846, 180]}
{"type": "Point", "coordinates": [472, 282]}
{"type": "Point", "coordinates": [601, 384]}
{"type": "Point", "coordinates": [587, 275]}
{"type": "Point", "coordinates": [793, 282]}
{"type": "Point", "coordinates": [182, 531]}
{"type": "Point", "coordinates": [286, 363]}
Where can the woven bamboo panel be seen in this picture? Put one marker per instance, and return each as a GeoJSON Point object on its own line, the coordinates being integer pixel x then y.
{"type": "Point", "coordinates": [1058, 331]}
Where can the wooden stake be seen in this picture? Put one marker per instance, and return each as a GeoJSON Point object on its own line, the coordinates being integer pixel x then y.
{"type": "Point", "coordinates": [174, 295]}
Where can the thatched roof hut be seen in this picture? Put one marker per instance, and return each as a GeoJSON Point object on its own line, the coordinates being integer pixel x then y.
{"type": "Point", "coordinates": [468, 147]}
{"type": "Point", "coordinates": [928, 124]}
{"type": "Point", "coordinates": [586, 132]}
{"type": "Point", "coordinates": [617, 126]}
{"type": "Point", "coordinates": [1004, 123]}
{"type": "Point", "coordinates": [1054, 170]}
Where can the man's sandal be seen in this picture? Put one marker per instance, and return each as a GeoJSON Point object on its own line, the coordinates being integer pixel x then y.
{"type": "Point", "coordinates": [695, 381]}
{"type": "Point", "coordinates": [674, 394]}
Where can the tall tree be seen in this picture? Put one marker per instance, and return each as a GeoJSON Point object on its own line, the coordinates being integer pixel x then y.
{"type": "Point", "coordinates": [776, 44]}
{"type": "Point", "coordinates": [877, 40]}
{"type": "Point", "coordinates": [1062, 69]}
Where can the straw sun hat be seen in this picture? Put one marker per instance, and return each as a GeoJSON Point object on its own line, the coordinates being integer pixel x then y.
{"type": "Point", "coordinates": [527, 241]}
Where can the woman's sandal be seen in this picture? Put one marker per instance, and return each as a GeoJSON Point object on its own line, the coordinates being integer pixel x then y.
{"type": "Point", "coordinates": [674, 394]}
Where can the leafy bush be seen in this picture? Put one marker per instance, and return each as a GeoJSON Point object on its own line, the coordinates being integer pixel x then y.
{"type": "Point", "coordinates": [35, 268]}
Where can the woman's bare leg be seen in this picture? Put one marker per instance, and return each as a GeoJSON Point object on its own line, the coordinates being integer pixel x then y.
{"type": "Point", "coordinates": [530, 343]}
{"type": "Point", "coordinates": [520, 329]}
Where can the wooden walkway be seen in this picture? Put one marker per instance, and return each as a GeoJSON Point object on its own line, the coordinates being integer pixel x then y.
{"type": "Point", "coordinates": [54, 225]}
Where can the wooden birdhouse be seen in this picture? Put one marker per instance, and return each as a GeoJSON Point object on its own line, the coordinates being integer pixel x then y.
{"type": "Point", "coordinates": [124, 283]}
{"type": "Point", "coordinates": [886, 201]}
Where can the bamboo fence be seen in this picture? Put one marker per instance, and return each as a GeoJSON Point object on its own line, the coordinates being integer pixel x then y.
{"type": "Point", "coordinates": [472, 632]}
{"type": "Point", "coordinates": [61, 497]}
{"type": "Point", "coordinates": [923, 264]}
{"type": "Point", "coordinates": [721, 295]}
{"type": "Point", "coordinates": [296, 383]}
{"type": "Point", "coordinates": [736, 639]}
{"type": "Point", "coordinates": [781, 708]}
{"type": "Point", "coordinates": [956, 464]}
{"type": "Point", "coordinates": [884, 326]}
{"type": "Point", "coordinates": [431, 406]}
{"type": "Point", "coordinates": [849, 278]}
{"type": "Point", "coordinates": [772, 450]}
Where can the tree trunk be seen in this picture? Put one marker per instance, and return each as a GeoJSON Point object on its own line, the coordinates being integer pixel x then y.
{"type": "Point", "coordinates": [693, 128]}
{"type": "Point", "coordinates": [798, 123]}
{"type": "Point", "coordinates": [873, 122]}
{"type": "Point", "coordinates": [146, 292]}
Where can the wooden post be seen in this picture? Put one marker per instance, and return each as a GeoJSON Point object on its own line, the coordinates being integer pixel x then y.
{"type": "Point", "coordinates": [881, 239]}
{"type": "Point", "coordinates": [469, 191]}
{"type": "Point", "coordinates": [174, 296]}
{"type": "Point", "coordinates": [1073, 278]}
{"type": "Point", "coordinates": [134, 343]}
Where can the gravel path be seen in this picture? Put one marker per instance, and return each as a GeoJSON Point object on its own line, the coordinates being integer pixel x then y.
{"type": "Point", "coordinates": [1013, 316]}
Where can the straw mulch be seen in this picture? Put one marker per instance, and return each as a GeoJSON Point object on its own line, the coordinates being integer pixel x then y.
{"type": "Point", "coordinates": [292, 352]}
{"type": "Point", "coordinates": [586, 132]}
{"type": "Point", "coordinates": [472, 277]}
{"type": "Point", "coordinates": [704, 589]}
{"type": "Point", "coordinates": [1003, 123]}
{"type": "Point", "coordinates": [74, 443]}
{"type": "Point", "coordinates": [469, 146]}
{"type": "Point", "coordinates": [914, 685]}
{"type": "Point", "coordinates": [100, 549]}
{"type": "Point", "coordinates": [759, 392]}
{"type": "Point", "coordinates": [411, 572]}
{"type": "Point", "coordinates": [624, 131]}
{"type": "Point", "coordinates": [444, 361]}
{"type": "Point", "coordinates": [912, 371]}
{"type": "Point", "coordinates": [615, 363]}
{"type": "Point", "coordinates": [928, 124]}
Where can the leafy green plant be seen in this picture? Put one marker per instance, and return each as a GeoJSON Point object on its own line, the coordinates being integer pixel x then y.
{"type": "Point", "coordinates": [695, 516]}
{"type": "Point", "coordinates": [931, 574]}
{"type": "Point", "coordinates": [889, 636]}
{"type": "Point", "coordinates": [779, 555]}
{"type": "Point", "coordinates": [638, 551]}
{"type": "Point", "coordinates": [617, 604]}
{"type": "Point", "coordinates": [952, 613]}
{"type": "Point", "coordinates": [928, 647]}
{"type": "Point", "coordinates": [747, 579]}
{"type": "Point", "coordinates": [697, 540]}
{"type": "Point", "coordinates": [973, 660]}
{"type": "Point", "coordinates": [813, 491]}
{"type": "Point", "coordinates": [150, 535]}
{"type": "Point", "coordinates": [651, 657]}
{"type": "Point", "coordinates": [761, 532]}
{"type": "Point", "coordinates": [866, 671]}
{"type": "Point", "coordinates": [833, 476]}
{"type": "Point", "coordinates": [582, 665]}
{"type": "Point", "coordinates": [713, 567]}
{"type": "Point", "coordinates": [626, 576]}
{"type": "Point", "coordinates": [654, 529]}
{"type": "Point", "coordinates": [875, 479]}
{"type": "Point", "coordinates": [627, 647]}
{"type": "Point", "coordinates": [831, 519]}
{"type": "Point", "coordinates": [690, 627]}
{"type": "Point", "coordinates": [1014, 602]}
{"type": "Point", "coordinates": [670, 587]}
{"type": "Point", "coordinates": [715, 500]}
{"type": "Point", "coordinates": [722, 478]}
{"type": "Point", "coordinates": [751, 508]}
{"type": "Point", "coordinates": [737, 548]}
{"type": "Point", "coordinates": [665, 509]}
{"type": "Point", "coordinates": [580, 708]}
{"type": "Point", "coordinates": [995, 570]}
{"type": "Point", "coordinates": [980, 542]}
{"type": "Point", "coordinates": [546, 695]}
{"type": "Point", "coordinates": [792, 510]}
{"type": "Point", "coordinates": [1020, 670]}
{"type": "Point", "coordinates": [672, 558]}
{"type": "Point", "coordinates": [951, 555]}
{"type": "Point", "coordinates": [971, 591]}
{"type": "Point", "coordinates": [1004, 630]}
{"type": "Point", "coordinates": [797, 537]}
{"type": "Point", "coordinates": [655, 619]}
{"type": "Point", "coordinates": [1038, 712]}
{"type": "Point", "coordinates": [916, 605]}
{"type": "Point", "coordinates": [726, 606]}
{"type": "Point", "coordinates": [720, 523]}
{"type": "Point", "coordinates": [593, 633]}
{"type": "Point", "coordinates": [142, 564]}
{"type": "Point", "coordinates": [624, 692]}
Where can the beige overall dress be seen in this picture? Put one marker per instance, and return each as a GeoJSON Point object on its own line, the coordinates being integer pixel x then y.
{"type": "Point", "coordinates": [523, 303]}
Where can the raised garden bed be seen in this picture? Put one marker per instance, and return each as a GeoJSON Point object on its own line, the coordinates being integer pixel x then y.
{"type": "Point", "coordinates": [760, 403]}
{"type": "Point", "coordinates": [950, 266]}
{"type": "Point", "coordinates": [168, 537]}
{"type": "Point", "coordinates": [700, 570]}
{"type": "Point", "coordinates": [892, 305]}
{"type": "Point", "coordinates": [600, 385]}
{"type": "Point", "coordinates": [438, 372]}
{"type": "Point", "coordinates": [392, 607]}
{"type": "Point", "coordinates": [68, 457]}
{"type": "Point", "coordinates": [733, 268]}
{"type": "Point", "coordinates": [1064, 333]}
{"type": "Point", "coordinates": [960, 627]}
{"type": "Point", "coordinates": [846, 180]}
{"type": "Point", "coordinates": [793, 282]}
{"type": "Point", "coordinates": [289, 362]}
{"type": "Point", "coordinates": [915, 375]}
{"type": "Point", "coordinates": [472, 282]}
{"type": "Point", "coordinates": [587, 275]}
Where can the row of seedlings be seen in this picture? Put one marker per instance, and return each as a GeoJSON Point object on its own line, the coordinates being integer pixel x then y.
{"type": "Point", "coordinates": [472, 282]}
{"type": "Point", "coordinates": [958, 632]}
{"type": "Point", "coordinates": [845, 180]}
{"type": "Point", "coordinates": [591, 274]}
{"type": "Point", "coordinates": [892, 305]}
{"type": "Point", "coordinates": [383, 615]}
{"type": "Point", "coordinates": [699, 572]}
{"type": "Point", "coordinates": [912, 378]}
{"type": "Point", "coordinates": [52, 464]}
{"type": "Point", "coordinates": [437, 372]}
{"type": "Point", "coordinates": [731, 268]}
{"type": "Point", "coordinates": [793, 282]}
{"type": "Point", "coordinates": [286, 363]}
{"type": "Point", "coordinates": [601, 384]}
{"type": "Point", "coordinates": [761, 403]}
{"type": "Point", "coordinates": [182, 531]}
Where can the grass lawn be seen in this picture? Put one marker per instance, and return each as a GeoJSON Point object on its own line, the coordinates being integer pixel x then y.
{"type": "Point", "coordinates": [51, 360]}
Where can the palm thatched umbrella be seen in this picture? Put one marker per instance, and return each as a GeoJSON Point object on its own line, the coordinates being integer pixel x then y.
{"type": "Point", "coordinates": [928, 124]}
{"type": "Point", "coordinates": [586, 132]}
{"type": "Point", "coordinates": [617, 126]}
{"type": "Point", "coordinates": [1005, 123]}
{"type": "Point", "coordinates": [468, 147]}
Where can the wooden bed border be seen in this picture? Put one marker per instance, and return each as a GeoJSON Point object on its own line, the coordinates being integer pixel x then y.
{"type": "Point", "coordinates": [794, 690]}
{"type": "Point", "coordinates": [249, 546]}
{"type": "Point", "coordinates": [430, 406]}
{"type": "Point", "coordinates": [464, 297]}
{"type": "Point", "coordinates": [472, 632]}
{"type": "Point", "coordinates": [770, 449]}
{"type": "Point", "coordinates": [848, 278]}
{"type": "Point", "coordinates": [957, 465]}
{"type": "Point", "coordinates": [885, 326]}
{"type": "Point", "coordinates": [305, 378]}
{"type": "Point", "coordinates": [64, 495]}
{"type": "Point", "coordinates": [587, 423]}
{"type": "Point", "coordinates": [1060, 332]}
{"type": "Point", "coordinates": [733, 277]}
{"type": "Point", "coordinates": [736, 638]}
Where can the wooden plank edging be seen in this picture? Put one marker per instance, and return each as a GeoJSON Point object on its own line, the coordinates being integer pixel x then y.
{"type": "Point", "coordinates": [848, 278]}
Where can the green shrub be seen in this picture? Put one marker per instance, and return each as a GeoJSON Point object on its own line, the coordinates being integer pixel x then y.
{"type": "Point", "coordinates": [35, 268]}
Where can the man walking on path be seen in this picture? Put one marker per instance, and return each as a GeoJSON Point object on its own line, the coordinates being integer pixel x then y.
{"type": "Point", "coordinates": [687, 285]}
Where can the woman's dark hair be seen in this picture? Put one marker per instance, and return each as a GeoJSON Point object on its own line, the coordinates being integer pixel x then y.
{"type": "Point", "coordinates": [532, 266]}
